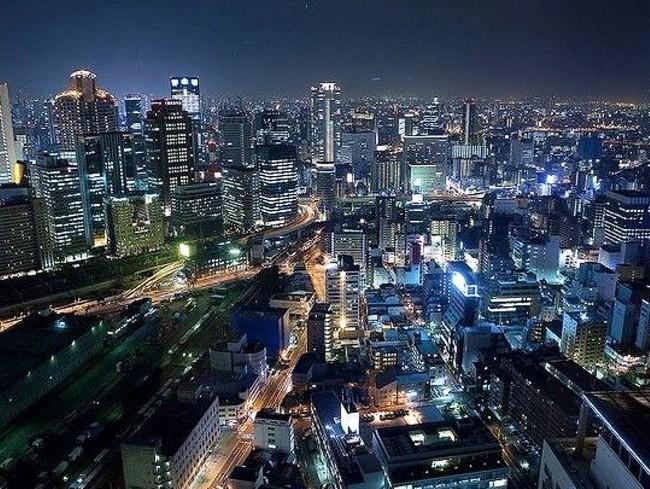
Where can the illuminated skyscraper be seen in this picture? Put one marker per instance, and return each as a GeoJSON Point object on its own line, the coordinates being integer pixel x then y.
{"type": "Point", "coordinates": [170, 150]}
{"type": "Point", "coordinates": [7, 147]}
{"type": "Point", "coordinates": [343, 292]}
{"type": "Point", "coordinates": [240, 177]}
{"type": "Point", "coordinates": [82, 108]}
{"type": "Point", "coordinates": [470, 122]}
{"type": "Point", "coordinates": [424, 164]}
{"type": "Point", "coordinates": [107, 167]}
{"type": "Point", "coordinates": [325, 122]}
{"type": "Point", "coordinates": [278, 184]}
{"type": "Point", "coordinates": [186, 89]}
{"type": "Point", "coordinates": [58, 184]}
{"type": "Point", "coordinates": [134, 113]}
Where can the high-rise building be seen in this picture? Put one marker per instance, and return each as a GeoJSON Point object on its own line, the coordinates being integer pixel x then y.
{"type": "Point", "coordinates": [583, 339]}
{"type": "Point", "coordinates": [424, 164]}
{"type": "Point", "coordinates": [278, 184]}
{"type": "Point", "coordinates": [57, 182]}
{"type": "Point", "coordinates": [186, 89]}
{"type": "Point", "coordinates": [23, 231]}
{"type": "Point", "coordinates": [358, 150]}
{"type": "Point", "coordinates": [627, 216]}
{"type": "Point", "coordinates": [320, 332]}
{"type": "Point", "coordinates": [325, 122]}
{"type": "Point", "coordinates": [134, 224]}
{"type": "Point", "coordinates": [385, 175]}
{"type": "Point", "coordinates": [387, 226]}
{"type": "Point", "coordinates": [512, 300]}
{"type": "Point", "coordinates": [272, 127]}
{"type": "Point", "coordinates": [470, 122]}
{"type": "Point", "coordinates": [351, 242]}
{"type": "Point", "coordinates": [170, 149]}
{"type": "Point", "coordinates": [83, 108]}
{"type": "Point", "coordinates": [343, 293]}
{"type": "Point", "coordinates": [134, 113]}
{"type": "Point", "coordinates": [7, 145]}
{"type": "Point", "coordinates": [107, 167]}
{"type": "Point", "coordinates": [240, 176]}
{"type": "Point", "coordinates": [326, 186]}
{"type": "Point", "coordinates": [197, 209]}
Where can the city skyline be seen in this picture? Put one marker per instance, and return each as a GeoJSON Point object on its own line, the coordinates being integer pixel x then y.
{"type": "Point", "coordinates": [501, 48]}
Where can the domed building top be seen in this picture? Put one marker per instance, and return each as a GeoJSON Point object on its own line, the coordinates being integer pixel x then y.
{"type": "Point", "coordinates": [83, 85]}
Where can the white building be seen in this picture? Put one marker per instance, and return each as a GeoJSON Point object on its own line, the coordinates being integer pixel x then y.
{"type": "Point", "coordinates": [274, 431]}
{"type": "Point", "coordinates": [7, 145]}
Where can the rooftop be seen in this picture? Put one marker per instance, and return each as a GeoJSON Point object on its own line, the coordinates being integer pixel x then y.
{"type": "Point", "coordinates": [627, 414]}
{"type": "Point", "coordinates": [35, 340]}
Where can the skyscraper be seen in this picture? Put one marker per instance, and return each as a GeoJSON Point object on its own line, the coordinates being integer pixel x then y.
{"type": "Point", "coordinates": [272, 127]}
{"type": "Point", "coordinates": [82, 108]}
{"type": "Point", "coordinates": [343, 292]}
{"type": "Point", "coordinates": [627, 216]}
{"type": "Point", "coordinates": [470, 122]}
{"type": "Point", "coordinates": [107, 167]}
{"type": "Point", "coordinates": [23, 231]}
{"type": "Point", "coordinates": [278, 184]}
{"type": "Point", "coordinates": [134, 113]}
{"type": "Point", "coordinates": [134, 224]}
{"type": "Point", "coordinates": [58, 184]}
{"type": "Point", "coordinates": [170, 149]}
{"type": "Point", "coordinates": [325, 122]}
{"type": "Point", "coordinates": [7, 146]}
{"type": "Point", "coordinates": [240, 178]}
{"type": "Point", "coordinates": [326, 186]}
{"type": "Point", "coordinates": [186, 89]}
{"type": "Point", "coordinates": [424, 166]}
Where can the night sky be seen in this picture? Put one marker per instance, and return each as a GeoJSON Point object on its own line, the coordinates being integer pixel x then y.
{"type": "Point", "coordinates": [595, 48]}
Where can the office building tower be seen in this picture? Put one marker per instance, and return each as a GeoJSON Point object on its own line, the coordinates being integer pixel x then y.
{"type": "Point", "coordinates": [169, 149]}
{"type": "Point", "coordinates": [424, 164]}
{"type": "Point", "coordinates": [626, 311]}
{"type": "Point", "coordinates": [343, 293]}
{"type": "Point", "coordinates": [278, 184]}
{"type": "Point", "coordinates": [387, 225]}
{"type": "Point", "coordinates": [522, 152]}
{"type": "Point", "coordinates": [385, 175]}
{"type": "Point", "coordinates": [57, 182]}
{"type": "Point", "coordinates": [240, 176]}
{"type": "Point", "coordinates": [326, 187]}
{"type": "Point", "coordinates": [134, 113]}
{"type": "Point", "coordinates": [351, 242]}
{"type": "Point", "coordinates": [83, 108]}
{"type": "Point", "coordinates": [107, 167]}
{"type": "Point", "coordinates": [272, 127]}
{"type": "Point", "coordinates": [444, 241]}
{"type": "Point", "coordinates": [197, 209]}
{"type": "Point", "coordinates": [583, 339]}
{"type": "Point", "coordinates": [358, 150]}
{"type": "Point", "coordinates": [627, 216]}
{"type": "Point", "coordinates": [134, 224]}
{"type": "Point", "coordinates": [616, 458]}
{"type": "Point", "coordinates": [23, 231]}
{"type": "Point", "coordinates": [186, 89]}
{"type": "Point", "coordinates": [7, 144]}
{"type": "Point", "coordinates": [540, 256]}
{"type": "Point", "coordinates": [325, 128]}
{"type": "Point", "coordinates": [320, 332]}
{"type": "Point", "coordinates": [470, 122]}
